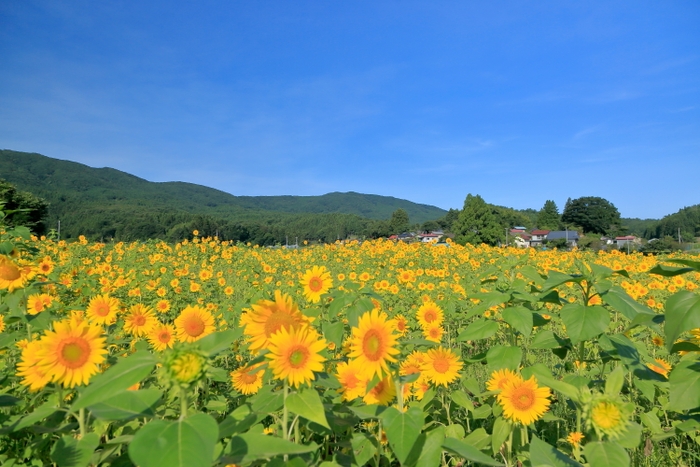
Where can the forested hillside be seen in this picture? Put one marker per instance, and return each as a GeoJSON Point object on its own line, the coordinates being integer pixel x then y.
{"type": "Point", "coordinates": [107, 203]}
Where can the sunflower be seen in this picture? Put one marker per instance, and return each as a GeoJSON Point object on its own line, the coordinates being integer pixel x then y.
{"type": "Point", "coordinates": [524, 401]}
{"type": "Point", "coordinates": [420, 386]}
{"type": "Point", "coordinates": [161, 337]}
{"type": "Point", "coordinates": [316, 282]}
{"type": "Point", "coordinates": [607, 415]}
{"type": "Point", "coordinates": [442, 366]}
{"type": "Point", "coordinates": [139, 320]}
{"type": "Point", "coordinates": [373, 343]}
{"type": "Point", "coordinates": [71, 353]}
{"type": "Point", "coordinates": [2, 323]}
{"type": "Point", "coordinates": [194, 323]}
{"type": "Point", "coordinates": [429, 314]}
{"type": "Point", "coordinates": [500, 378]}
{"type": "Point", "coordinates": [574, 438]}
{"type": "Point", "coordinates": [660, 366]}
{"type": "Point", "coordinates": [433, 332]}
{"type": "Point", "coordinates": [36, 303]}
{"type": "Point", "coordinates": [32, 374]}
{"type": "Point", "coordinates": [185, 366]}
{"type": "Point", "coordinates": [401, 324]}
{"type": "Point", "coordinates": [382, 393]}
{"type": "Point", "coordinates": [163, 306]}
{"type": "Point", "coordinates": [12, 276]}
{"type": "Point", "coordinates": [295, 354]}
{"type": "Point", "coordinates": [248, 380]}
{"type": "Point", "coordinates": [268, 317]}
{"type": "Point", "coordinates": [352, 385]}
{"type": "Point", "coordinates": [412, 364]}
{"type": "Point", "coordinates": [102, 309]}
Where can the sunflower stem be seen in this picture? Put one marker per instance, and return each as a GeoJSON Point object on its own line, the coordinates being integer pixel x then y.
{"type": "Point", "coordinates": [81, 422]}
{"type": "Point", "coordinates": [285, 413]}
{"type": "Point", "coordinates": [183, 403]}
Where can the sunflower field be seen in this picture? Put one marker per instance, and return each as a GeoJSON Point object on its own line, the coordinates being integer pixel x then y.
{"type": "Point", "coordinates": [378, 353]}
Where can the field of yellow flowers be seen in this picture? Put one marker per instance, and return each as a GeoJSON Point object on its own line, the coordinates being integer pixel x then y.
{"type": "Point", "coordinates": [377, 353]}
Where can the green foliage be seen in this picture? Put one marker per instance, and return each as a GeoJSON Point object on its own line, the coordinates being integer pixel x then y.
{"type": "Point", "coordinates": [592, 214]}
{"type": "Point", "coordinates": [399, 222]}
{"type": "Point", "coordinates": [22, 208]}
{"type": "Point", "coordinates": [686, 219]}
{"type": "Point", "coordinates": [476, 223]}
{"type": "Point", "coordinates": [548, 218]}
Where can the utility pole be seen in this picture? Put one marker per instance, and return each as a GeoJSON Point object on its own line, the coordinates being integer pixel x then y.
{"type": "Point", "coordinates": [506, 236]}
{"type": "Point", "coordinates": [59, 229]}
{"type": "Point", "coordinates": [679, 235]}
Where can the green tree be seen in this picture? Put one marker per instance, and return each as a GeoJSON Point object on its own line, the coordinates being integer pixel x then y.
{"type": "Point", "coordinates": [548, 217]}
{"type": "Point", "coordinates": [477, 223]}
{"type": "Point", "coordinates": [399, 222]}
{"type": "Point", "coordinates": [592, 214]}
{"type": "Point", "coordinates": [22, 208]}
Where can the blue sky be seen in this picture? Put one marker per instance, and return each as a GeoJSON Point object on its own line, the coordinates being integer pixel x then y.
{"type": "Point", "coordinates": [519, 102]}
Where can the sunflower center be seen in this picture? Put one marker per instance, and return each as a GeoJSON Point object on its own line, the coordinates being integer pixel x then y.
{"type": "Point", "coordinates": [248, 378]}
{"type": "Point", "coordinates": [278, 320]}
{"type": "Point", "coordinates": [372, 345]}
{"type": "Point", "coordinates": [298, 356]}
{"type": "Point", "coordinates": [441, 365]}
{"type": "Point", "coordinates": [401, 325]}
{"type": "Point", "coordinates": [350, 381]}
{"type": "Point", "coordinates": [606, 415]}
{"type": "Point", "coordinates": [164, 336]}
{"type": "Point", "coordinates": [378, 389]}
{"type": "Point", "coordinates": [9, 272]}
{"type": "Point", "coordinates": [523, 398]}
{"type": "Point", "coordinates": [74, 352]}
{"type": "Point", "coordinates": [430, 316]}
{"type": "Point", "coordinates": [139, 320]}
{"type": "Point", "coordinates": [194, 327]}
{"type": "Point", "coordinates": [434, 332]}
{"type": "Point", "coordinates": [315, 284]}
{"type": "Point", "coordinates": [102, 309]}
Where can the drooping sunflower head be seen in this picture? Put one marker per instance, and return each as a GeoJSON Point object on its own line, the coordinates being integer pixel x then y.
{"type": "Point", "coordinates": [33, 375]}
{"type": "Point", "coordinates": [352, 385]}
{"type": "Point", "coordinates": [12, 276]}
{"type": "Point", "coordinates": [373, 343]}
{"type": "Point", "coordinates": [524, 401]}
{"type": "Point", "coordinates": [430, 314]}
{"type": "Point", "coordinates": [248, 379]}
{"type": "Point", "coordinates": [316, 282]}
{"type": "Point", "coordinates": [267, 317]}
{"type": "Point", "coordinates": [660, 366]}
{"type": "Point", "coordinates": [607, 414]}
{"type": "Point", "coordinates": [193, 323]}
{"type": "Point", "coordinates": [382, 393]}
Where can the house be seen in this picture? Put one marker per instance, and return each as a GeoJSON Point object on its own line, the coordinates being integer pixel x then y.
{"type": "Point", "coordinates": [430, 237]}
{"type": "Point", "coordinates": [627, 240]}
{"type": "Point", "coordinates": [571, 236]}
{"type": "Point", "coordinates": [521, 239]}
{"type": "Point", "coordinates": [537, 237]}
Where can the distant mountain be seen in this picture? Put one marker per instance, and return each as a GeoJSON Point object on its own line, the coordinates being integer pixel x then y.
{"type": "Point", "coordinates": [97, 195]}
{"type": "Point", "coordinates": [686, 222]}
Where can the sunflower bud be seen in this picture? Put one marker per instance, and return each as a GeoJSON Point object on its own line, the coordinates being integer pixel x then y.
{"type": "Point", "coordinates": [184, 366]}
